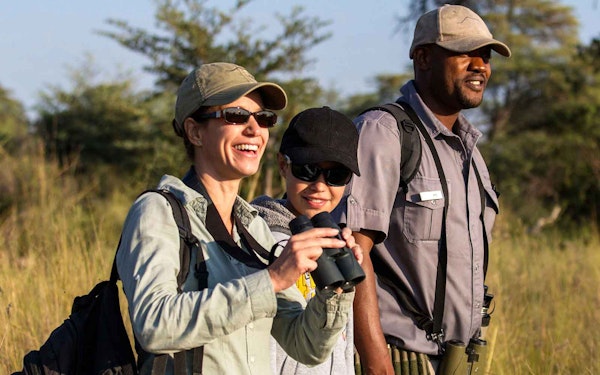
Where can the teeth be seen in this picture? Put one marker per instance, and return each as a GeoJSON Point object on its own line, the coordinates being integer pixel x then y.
{"type": "Point", "coordinates": [246, 147]}
{"type": "Point", "coordinates": [476, 83]}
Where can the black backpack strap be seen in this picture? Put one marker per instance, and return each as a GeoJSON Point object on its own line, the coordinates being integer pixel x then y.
{"type": "Point", "coordinates": [188, 240]}
{"type": "Point", "coordinates": [114, 273]}
{"type": "Point", "coordinates": [437, 333]}
{"type": "Point", "coordinates": [186, 243]}
{"type": "Point", "coordinates": [408, 121]}
{"type": "Point", "coordinates": [410, 154]}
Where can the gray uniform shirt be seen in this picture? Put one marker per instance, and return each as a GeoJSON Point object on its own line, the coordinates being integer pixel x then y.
{"type": "Point", "coordinates": [409, 223]}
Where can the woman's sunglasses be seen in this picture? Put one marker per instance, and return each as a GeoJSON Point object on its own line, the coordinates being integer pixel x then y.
{"type": "Point", "coordinates": [337, 176]}
{"type": "Point", "coordinates": [237, 115]}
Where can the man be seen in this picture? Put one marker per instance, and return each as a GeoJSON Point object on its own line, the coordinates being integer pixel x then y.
{"type": "Point", "coordinates": [405, 228]}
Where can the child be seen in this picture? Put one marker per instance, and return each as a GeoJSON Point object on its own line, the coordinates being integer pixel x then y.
{"type": "Point", "coordinates": [317, 158]}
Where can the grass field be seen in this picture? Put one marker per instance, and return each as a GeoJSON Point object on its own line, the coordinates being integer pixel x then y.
{"type": "Point", "coordinates": [58, 240]}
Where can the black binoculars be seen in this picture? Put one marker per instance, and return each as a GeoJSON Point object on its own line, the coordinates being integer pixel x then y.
{"type": "Point", "coordinates": [336, 268]}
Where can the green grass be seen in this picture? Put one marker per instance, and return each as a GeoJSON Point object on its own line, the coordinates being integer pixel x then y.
{"type": "Point", "coordinates": [59, 239]}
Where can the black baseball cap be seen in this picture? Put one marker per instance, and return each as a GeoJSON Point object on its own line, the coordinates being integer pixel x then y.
{"type": "Point", "coordinates": [321, 134]}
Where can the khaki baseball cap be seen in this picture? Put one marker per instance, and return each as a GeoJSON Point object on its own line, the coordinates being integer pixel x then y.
{"type": "Point", "coordinates": [455, 28]}
{"type": "Point", "coordinates": [222, 83]}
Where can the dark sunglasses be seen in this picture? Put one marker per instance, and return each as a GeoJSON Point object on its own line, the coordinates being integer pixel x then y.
{"type": "Point", "coordinates": [237, 115]}
{"type": "Point", "coordinates": [336, 176]}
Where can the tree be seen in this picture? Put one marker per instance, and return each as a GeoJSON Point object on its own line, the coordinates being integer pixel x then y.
{"type": "Point", "coordinates": [13, 120]}
{"type": "Point", "coordinates": [540, 110]}
{"type": "Point", "coordinates": [387, 91]}
{"type": "Point", "coordinates": [554, 159]}
{"type": "Point", "coordinates": [191, 33]}
{"type": "Point", "coordinates": [103, 126]}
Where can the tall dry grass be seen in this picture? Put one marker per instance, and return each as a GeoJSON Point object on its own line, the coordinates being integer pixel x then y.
{"type": "Point", "coordinates": [547, 301]}
{"type": "Point", "coordinates": [58, 240]}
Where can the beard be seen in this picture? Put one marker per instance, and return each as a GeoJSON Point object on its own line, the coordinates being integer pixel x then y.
{"type": "Point", "coordinates": [467, 101]}
{"type": "Point", "coordinates": [469, 95]}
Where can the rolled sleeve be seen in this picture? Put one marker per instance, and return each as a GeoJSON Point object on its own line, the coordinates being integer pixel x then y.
{"type": "Point", "coordinates": [260, 290]}
{"type": "Point", "coordinates": [370, 198]}
{"type": "Point", "coordinates": [309, 335]}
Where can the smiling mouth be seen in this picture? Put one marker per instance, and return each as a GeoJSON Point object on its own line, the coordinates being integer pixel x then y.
{"type": "Point", "coordinates": [315, 201]}
{"type": "Point", "coordinates": [477, 82]}
{"type": "Point", "coordinates": [246, 147]}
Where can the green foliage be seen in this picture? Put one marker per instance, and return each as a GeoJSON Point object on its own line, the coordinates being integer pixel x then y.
{"type": "Point", "coordinates": [550, 154]}
{"type": "Point", "coordinates": [13, 121]}
{"type": "Point", "coordinates": [107, 128]}
{"type": "Point", "coordinates": [387, 91]}
{"type": "Point", "coordinates": [541, 108]}
{"type": "Point", "coordinates": [192, 33]}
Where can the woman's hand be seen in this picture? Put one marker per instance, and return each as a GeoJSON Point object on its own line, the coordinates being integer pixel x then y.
{"type": "Point", "coordinates": [301, 253]}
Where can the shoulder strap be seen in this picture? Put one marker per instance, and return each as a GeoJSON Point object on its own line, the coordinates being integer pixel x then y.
{"type": "Point", "coordinates": [437, 334]}
{"type": "Point", "coordinates": [408, 121]}
{"type": "Point", "coordinates": [410, 153]}
{"type": "Point", "coordinates": [217, 229]}
{"type": "Point", "coordinates": [186, 243]}
{"type": "Point", "coordinates": [188, 240]}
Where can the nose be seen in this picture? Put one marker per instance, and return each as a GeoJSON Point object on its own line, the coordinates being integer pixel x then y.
{"type": "Point", "coordinates": [479, 64]}
{"type": "Point", "coordinates": [319, 184]}
{"type": "Point", "coordinates": [252, 126]}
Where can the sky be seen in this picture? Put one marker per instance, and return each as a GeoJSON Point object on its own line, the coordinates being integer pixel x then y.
{"type": "Point", "coordinates": [41, 41]}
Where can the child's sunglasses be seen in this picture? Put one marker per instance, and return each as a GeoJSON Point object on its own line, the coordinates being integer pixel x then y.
{"type": "Point", "coordinates": [336, 176]}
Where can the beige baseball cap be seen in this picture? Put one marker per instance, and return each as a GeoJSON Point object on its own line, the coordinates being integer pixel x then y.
{"type": "Point", "coordinates": [455, 28]}
{"type": "Point", "coordinates": [222, 83]}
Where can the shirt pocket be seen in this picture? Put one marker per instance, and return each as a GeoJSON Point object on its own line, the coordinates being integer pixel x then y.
{"type": "Point", "coordinates": [423, 209]}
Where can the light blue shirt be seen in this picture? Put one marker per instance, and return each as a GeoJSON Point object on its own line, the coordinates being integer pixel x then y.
{"type": "Point", "coordinates": [234, 317]}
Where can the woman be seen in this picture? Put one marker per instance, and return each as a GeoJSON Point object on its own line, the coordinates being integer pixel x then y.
{"type": "Point", "coordinates": [317, 158]}
{"type": "Point", "coordinates": [223, 115]}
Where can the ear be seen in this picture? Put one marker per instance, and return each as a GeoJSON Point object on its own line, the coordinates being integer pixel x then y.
{"type": "Point", "coordinates": [422, 58]}
{"type": "Point", "coordinates": [282, 163]}
{"type": "Point", "coordinates": [193, 131]}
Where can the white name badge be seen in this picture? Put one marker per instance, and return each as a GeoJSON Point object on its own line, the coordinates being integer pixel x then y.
{"type": "Point", "coordinates": [430, 195]}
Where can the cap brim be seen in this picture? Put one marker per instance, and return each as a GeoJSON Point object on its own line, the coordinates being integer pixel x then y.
{"type": "Point", "coordinates": [471, 44]}
{"type": "Point", "coordinates": [308, 155]}
{"type": "Point", "coordinates": [273, 96]}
